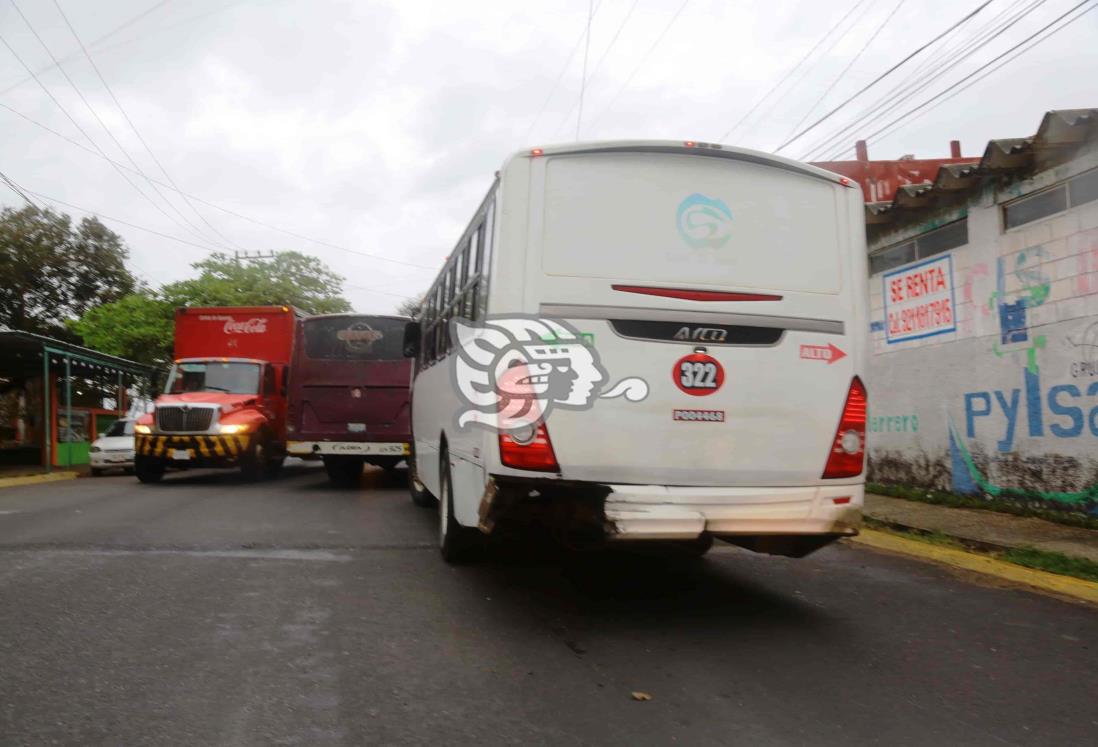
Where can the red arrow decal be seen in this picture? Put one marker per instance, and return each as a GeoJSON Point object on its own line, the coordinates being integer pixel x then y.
{"type": "Point", "coordinates": [828, 353]}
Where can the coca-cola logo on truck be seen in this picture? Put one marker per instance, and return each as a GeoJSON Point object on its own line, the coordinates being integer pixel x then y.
{"type": "Point", "coordinates": [254, 326]}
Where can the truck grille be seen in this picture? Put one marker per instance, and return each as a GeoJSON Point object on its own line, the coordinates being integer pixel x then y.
{"type": "Point", "coordinates": [177, 419]}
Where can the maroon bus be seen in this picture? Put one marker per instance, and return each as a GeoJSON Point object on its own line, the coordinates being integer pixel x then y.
{"type": "Point", "coordinates": [350, 393]}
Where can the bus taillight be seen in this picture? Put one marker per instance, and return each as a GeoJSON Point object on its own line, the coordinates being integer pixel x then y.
{"type": "Point", "coordinates": [847, 455]}
{"type": "Point", "coordinates": [536, 454]}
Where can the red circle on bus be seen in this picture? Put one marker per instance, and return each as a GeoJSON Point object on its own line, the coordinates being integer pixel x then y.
{"type": "Point", "coordinates": [698, 374]}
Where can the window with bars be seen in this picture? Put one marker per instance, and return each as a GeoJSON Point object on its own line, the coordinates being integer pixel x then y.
{"type": "Point", "coordinates": [936, 241]}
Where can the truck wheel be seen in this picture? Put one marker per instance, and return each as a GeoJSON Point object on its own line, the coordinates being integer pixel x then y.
{"type": "Point", "coordinates": [457, 543]}
{"type": "Point", "coordinates": [343, 472]}
{"type": "Point", "coordinates": [253, 463]}
{"type": "Point", "coordinates": [148, 469]}
{"type": "Point", "coordinates": [273, 466]}
{"type": "Point", "coordinates": [420, 495]}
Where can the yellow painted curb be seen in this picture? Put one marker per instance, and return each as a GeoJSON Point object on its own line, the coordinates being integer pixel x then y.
{"type": "Point", "coordinates": [11, 482]}
{"type": "Point", "coordinates": [1066, 585]}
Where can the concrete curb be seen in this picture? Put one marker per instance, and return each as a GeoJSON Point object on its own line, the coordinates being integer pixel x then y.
{"type": "Point", "coordinates": [14, 482]}
{"type": "Point", "coordinates": [1086, 591]}
{"type": "Point", "coordinates": [1065, 586]}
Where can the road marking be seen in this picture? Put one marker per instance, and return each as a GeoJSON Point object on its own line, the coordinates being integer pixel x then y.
{"type": "Point", "coordinates": [1076, 588]}
{"type": "Point", "coordinates": [12, 482]}
{"type": "Point", "coordinates": [323, 556]}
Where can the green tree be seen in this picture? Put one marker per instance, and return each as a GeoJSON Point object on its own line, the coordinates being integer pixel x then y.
{"type": "Point", "coordinates": [290, 278]}
{"type": "Point", "coordinates": [138, 327]}
{"type": "Point", "coordinates": [52, 272]}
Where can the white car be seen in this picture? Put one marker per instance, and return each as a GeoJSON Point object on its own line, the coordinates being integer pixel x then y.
{"type": "Point", "coordinates": [114, 449]}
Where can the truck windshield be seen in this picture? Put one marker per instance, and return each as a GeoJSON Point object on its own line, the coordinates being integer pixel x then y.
{"type": "Point", "coordinates": [214, 376]}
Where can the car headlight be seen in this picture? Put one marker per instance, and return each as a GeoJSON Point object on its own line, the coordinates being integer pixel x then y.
{"type": "Point", "coordinates": [230, 428]}
{"type": "Point", "coordinates": [142, 428]}
{"type": "Point", "coordinates": [95, 450]}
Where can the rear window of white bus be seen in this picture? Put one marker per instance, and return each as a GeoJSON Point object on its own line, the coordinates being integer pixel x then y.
{"type": "Point", "coordinates": [643, 217]}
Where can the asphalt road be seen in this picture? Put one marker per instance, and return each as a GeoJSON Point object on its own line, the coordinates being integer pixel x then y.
{"type": "Point", "coordinates": [206, 610]}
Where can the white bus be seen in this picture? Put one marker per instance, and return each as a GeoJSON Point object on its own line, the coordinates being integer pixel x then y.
{"type": "Point", "coordinates": [652, 341]}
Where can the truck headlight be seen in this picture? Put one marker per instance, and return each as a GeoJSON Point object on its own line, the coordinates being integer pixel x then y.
{"type": "Point", "coordinates": [142, 429]}
{"type": "Point", "coordinates": [229, 429]}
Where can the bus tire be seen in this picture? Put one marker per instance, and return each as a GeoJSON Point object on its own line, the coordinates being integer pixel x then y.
{"type": "Point", "coordinates": [421, 496]}
{"type": "Point", "coordinates": [148, 469]}
{"type": "Point", "coordinates": [343, 471]}
{"type": "Point", "coordinates": [458, 544]}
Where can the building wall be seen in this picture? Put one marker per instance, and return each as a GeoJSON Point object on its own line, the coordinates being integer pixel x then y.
{"type": "Point", "coordinates": [1006, 403]}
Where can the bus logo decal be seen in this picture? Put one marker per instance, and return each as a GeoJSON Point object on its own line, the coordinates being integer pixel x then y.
{"type": "Point", "coordinates": [511, 372]}
{"type": "Point", "coordinates": [704, 222]}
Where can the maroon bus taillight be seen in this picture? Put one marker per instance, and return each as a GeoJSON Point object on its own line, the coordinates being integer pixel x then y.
{"type": "Point", "coordinates": [536, 454]}
{"type": "Point", "coordinates": [847, 455]}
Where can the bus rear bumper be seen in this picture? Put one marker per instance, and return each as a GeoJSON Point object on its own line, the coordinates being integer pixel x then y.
{"type": "Point", "coordinates": [656, 512]}
{"type": "Point", "coordinates": [348, 448]}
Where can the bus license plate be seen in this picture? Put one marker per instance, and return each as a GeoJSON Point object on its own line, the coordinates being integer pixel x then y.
{"type": "Point", "coordinates": [181, 454]}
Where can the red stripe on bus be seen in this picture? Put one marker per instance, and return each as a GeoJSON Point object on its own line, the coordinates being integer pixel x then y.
{"type": "Point", "coordinates": [695, 295]}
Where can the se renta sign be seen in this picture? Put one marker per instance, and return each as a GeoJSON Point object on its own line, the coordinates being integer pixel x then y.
{"type": "Point", "coordinates": [919, 300]}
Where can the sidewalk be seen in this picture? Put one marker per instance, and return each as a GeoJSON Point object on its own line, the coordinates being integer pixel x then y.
{"type": "Point", "coordinates": [990, 529]}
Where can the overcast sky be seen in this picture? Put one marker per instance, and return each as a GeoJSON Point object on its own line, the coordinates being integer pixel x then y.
{"type": "Point", "coordinates": [377, 126]}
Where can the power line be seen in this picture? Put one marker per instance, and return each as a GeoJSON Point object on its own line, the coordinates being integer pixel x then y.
{"type": "Point", "coordinates": [99, 39]}
{"type": "Point", "coordinates": [220, 208]}
{"type": "Point", "coordinates": [133, 127]}
{"type": "Point", "coordinates": [918, 82]}
{"type": "Point", "coordinates": [846, 69]}
{"type": "Point", "coordinates": [17, 189]}
{"type": "Point", "coordinates": [643, 59]}
{"type": "Point", "coordinates": [605, 52]}
{"type": "Point", "coordinates": [805, 71]}
{"type": "Point", "coordinates": [788, 74]}
{"type": "Point", "coordinates": [928, 66]}
{"type": "Point", "coordinates": [971, 75]}
{"type": "Point", "coordinates": [880, 77]}
{"type": "Point", "coordinates": [207, 250]}
{"type": "Point", "coordinates": [77, 124]}
{"type": "Point", "coordinates": [1002, 64]}
{"type": "Point", "coordinates": [560, 77]}
{"type": "Point", "coordinates": [583, 76]}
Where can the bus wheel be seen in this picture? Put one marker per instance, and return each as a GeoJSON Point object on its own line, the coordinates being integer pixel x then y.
{"type": "Point", "coordinates": [148, 469]}
{"type": "Point", "coordinates": [458, 544]}
{"type": "Point", "coordinates": [420, 495]}
{"type": "Point", "coordinates": [343, 472]}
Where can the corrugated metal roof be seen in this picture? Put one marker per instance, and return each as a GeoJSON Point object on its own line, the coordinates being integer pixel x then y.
{"type": "Point", "coordinates": [1059, 136]}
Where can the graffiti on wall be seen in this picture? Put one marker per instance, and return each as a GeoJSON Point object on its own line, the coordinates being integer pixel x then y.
{"type": "Point", "coordinates": [1067, 411]}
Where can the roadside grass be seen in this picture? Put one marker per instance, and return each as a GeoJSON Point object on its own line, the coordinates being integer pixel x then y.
{"type": "Point", "coordinates": [1030, 557]}
{"type": "Point", "coordinates": [953, 500]}
{"type": "Point", "coordinates": [1053, 562]}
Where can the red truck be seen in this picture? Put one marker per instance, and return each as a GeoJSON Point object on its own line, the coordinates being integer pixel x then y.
{"type": "Point", "coordinates": [349, 395]}
{"type": "Point", "coordinates": [224, 404]}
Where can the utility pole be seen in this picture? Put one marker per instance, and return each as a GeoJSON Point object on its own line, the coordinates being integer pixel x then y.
{"type": "Point", "coordinates": [246, 256]}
